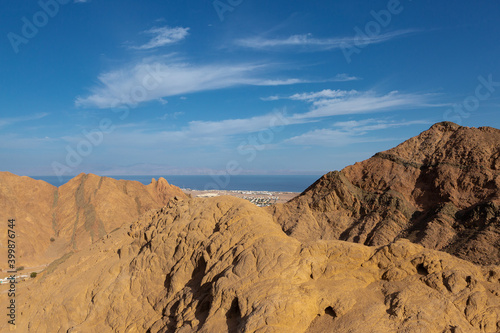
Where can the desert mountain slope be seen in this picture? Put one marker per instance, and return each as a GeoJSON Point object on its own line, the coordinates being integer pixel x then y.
{"type": "Point", "coordinates": [30, 201]}
{"type": "Point", "coordinates": [224, 265]}
{"type": "Point", "coordinates": [51, 221]}
{"type": "Point", "coordinates": [440, 189]}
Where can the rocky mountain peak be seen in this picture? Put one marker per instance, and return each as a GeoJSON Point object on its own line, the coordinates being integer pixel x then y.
{"type": "Point", "coordinates": [440, 189]}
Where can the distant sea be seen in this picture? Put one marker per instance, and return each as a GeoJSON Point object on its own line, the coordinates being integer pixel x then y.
{"type": "Point", "coordinates": [288, 183]}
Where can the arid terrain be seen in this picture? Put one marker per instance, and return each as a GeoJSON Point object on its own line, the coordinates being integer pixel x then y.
{"type": "Point", "coordinates": [440, 189]}
{"type": "Point", "coordinates": [53, 221]}
{"type": "Point", "coordinates": [406, 241]}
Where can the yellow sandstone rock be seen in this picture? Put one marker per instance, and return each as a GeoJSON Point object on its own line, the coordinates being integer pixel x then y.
{"type": "Point", "coordinates": [224, 265]}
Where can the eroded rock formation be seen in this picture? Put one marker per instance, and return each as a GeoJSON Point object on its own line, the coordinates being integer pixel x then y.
{"type": "Point", "coordinates": [224, 265]}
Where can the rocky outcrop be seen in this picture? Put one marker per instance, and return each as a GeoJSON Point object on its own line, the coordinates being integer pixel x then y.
{"type": "Point", "coordinates": [51, 221]}
{"type": "Point", "coordinates": [223, 265]}
{"type": "Point", "coordinates": [440, 189]}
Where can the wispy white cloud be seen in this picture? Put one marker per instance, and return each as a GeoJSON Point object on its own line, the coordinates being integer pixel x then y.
{"type": "Point", "coordinates": [195, 134]}
{"type": "Point", "coordinates": [344, 78]}
{"type": "Point", "coordinates": [207, 133]}
{"type": "Point", "coordinates": [330, 102]}
{"type": "Point", "coordinates": [152, 80]}
{"type": "Point", "coordinates": [350, 132]}
{"type": "Point", "coordinates": [243, 125]}
{"type": "Point", "coordinates": [362, 126]}
{"type": "Point", "coordinates": [309, 43]}
{"type": "Point", "coordinates": [163, 36]}
{"type": "Point", "coordinates": [338, 78]}
{"type": "Point", "coordinates": [174, 115]}
{"type": "Point", "coordinates": [364, 102]}
{"type": "Point", "coordinates": [279, 82]}
{"type": "Point", "coordinates": [10, 121]}
{"type": "Point", "coordinates": [314, 96]}
{"type": "Point", "coordinates": [324, 94]}
{"type": "Point", "coordinates": [326, 137]}
{"type": "Point", "coordinates": [162, 101]}
{"type": "Point", "coordinates": [271, 98]}
{"type": "Point", "coordinates": [327, 102]}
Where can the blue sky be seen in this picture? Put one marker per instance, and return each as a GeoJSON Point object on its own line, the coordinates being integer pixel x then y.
{"type": "Point", "coordinates": [236, 86]}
